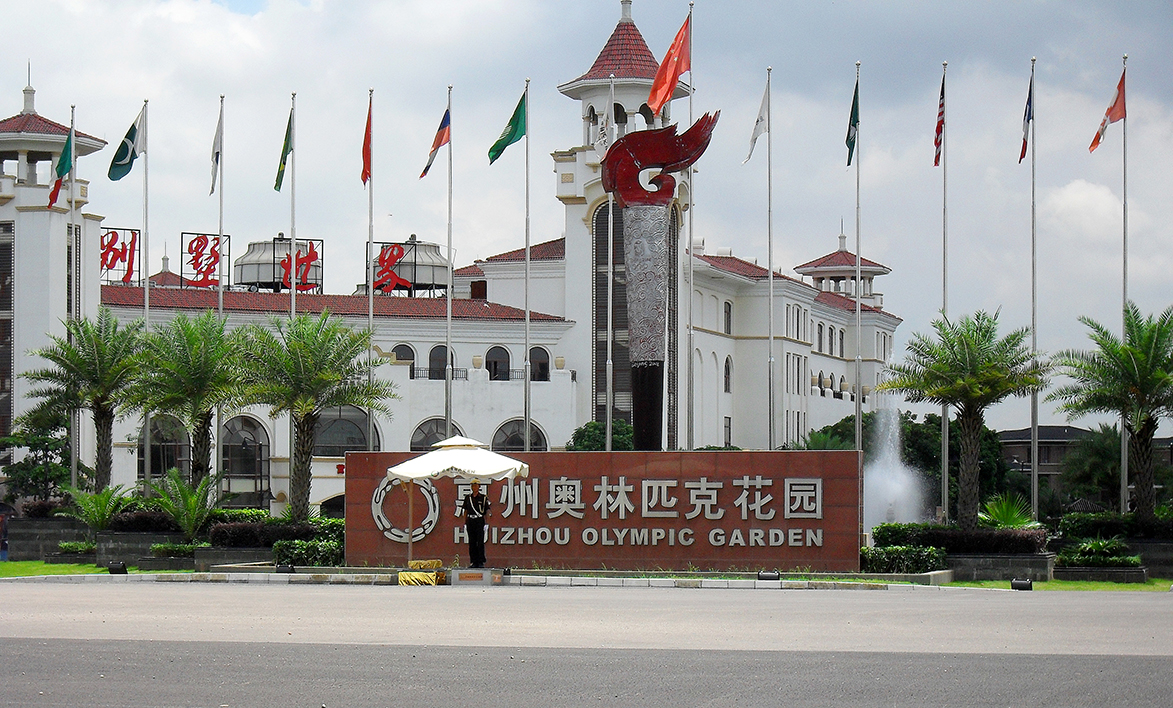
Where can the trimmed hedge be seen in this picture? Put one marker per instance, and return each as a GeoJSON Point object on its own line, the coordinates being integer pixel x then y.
{"type": "Point", "coordinates": [1109, 524]}
{"type": "Point", "coordinates": [77, 547]}
{"type": "Point", "coordinates": [315, 553]}
{"type": "Point", "coordinates": [1098, 553]}
{"type": "Point", "coordinates": [954, 540]}
{"type": "Point", "coordinates": [232, 516]}
{"type": "Point", "coordinates": [253, 534]}
{"type": "Point", "coordinates": [175, 550]}
{"type": "Point", "coordinates": [330, 529]}
{"type": "Point", "coordinates": [902, 559]}
{"type": "Point", "coordinates": [146, 521]}
{"type": "Point", "coordinates": [40, 508]}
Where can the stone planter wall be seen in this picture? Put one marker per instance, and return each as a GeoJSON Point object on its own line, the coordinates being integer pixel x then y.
{"type": "Point", "coordinates": [33, 539]}
{"type": "Point", "coordinates": [165, 563]}
{"type": "Point", "coordinates": [207, 557]}
{"type": "Point", "coordinates": [79, 558]}
{"type": "Point", "coordinates": [1156, 555]}
{"type": "Point", "coordinates": [1103, 575]}
{"type": "Point", "coordinates": [129, 547]}
{"type": "Point", "coordinates": [1038, 567]}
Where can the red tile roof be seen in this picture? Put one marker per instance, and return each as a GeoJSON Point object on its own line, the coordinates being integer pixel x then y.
{"type": "Point", "coordinates": [167, 279]}
{"type": "Point", "coordinates": [841, 259]}
{"type": "Point", "coordinates": [625, 54]}
{"type": "Point", "coordinates": [350, 305]}
{"type": "Point", "coordinates": [35, 124]}
{"type": "Point", "coordinates": [737, 266]}
{"type": "Point", "coordinates": [469, 271]}
{"type": "Point", "coordinates": [843, 302]}
{"type": "Point", "coordinates": [548, 251]}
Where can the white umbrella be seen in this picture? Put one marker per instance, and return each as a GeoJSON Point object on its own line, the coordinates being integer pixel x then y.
{"type": "Point", "coordinates": [455, 457]}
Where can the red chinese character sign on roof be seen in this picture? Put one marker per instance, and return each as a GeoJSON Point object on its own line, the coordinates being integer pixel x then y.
{"type": "Point", "coordinates": [119, 253]}
{"type": "Point", "coordinates": [303, 265]}
{"type": "Point", "coordinates": [385, 276]}
{"type": "Point", "coordinates": [201, 263]}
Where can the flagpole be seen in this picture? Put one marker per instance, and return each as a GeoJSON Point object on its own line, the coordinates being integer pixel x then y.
{"type": "Point", "coordinates": [526, 447]}
{"type": "Point", "coordinates": [944, 290]}
{"type": "Point", "coordinates": [370, 185]}
{"type": "Point", "coordinates": [858, 297]}
{"type": "Point", "coordinates": [294, 252]}
{"type": "Point", "coordinates": [146, 287]}
{"type": "Point", "coordinates": [448, 294]}
{"type": "Point", "coordinates": [691, 242]}
{"type": "Point", "coordinates": [1124, 308]}
{"type": "Point", "coordinates": [220, 282]}
{"type": "Point", "coordinates": [75, 243]}
{"type": "Point", "coordinates": [1034, 300]}
{"type": "Point", "coordinates": [609, 117]}
{"type": "Point", "coordinates": [769, 261]}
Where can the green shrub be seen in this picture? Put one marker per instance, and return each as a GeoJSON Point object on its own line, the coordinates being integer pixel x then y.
{"type": "Point", "coordinates": [330, 529]}
{"type": "Point", "coordinates": [902, 559]}
{"type": "Point", "coordinates": [175, 550]}
{"type": "Point", "coordinates": [884, 535]}
{"type": "Point", "coordinates": [1109, 524]}
{"type": "Point", "coordinates": [77, 547]}
{"type": "Point", "coordinates": [234, 516]}
{"type": "Point", "coordinates": [954, 540]}
{"type": "Point", "coordinates": [1098, 553]}
{"type": "Point", "coordinates": [143, 521]}
{"type": "Point", "coordinates": [1007, 510]}
{"type": "Point", "coordinates": [314, 553]}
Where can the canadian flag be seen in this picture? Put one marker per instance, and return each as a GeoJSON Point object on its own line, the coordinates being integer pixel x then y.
{"type": "Point", "coordinates": [1114, 113]}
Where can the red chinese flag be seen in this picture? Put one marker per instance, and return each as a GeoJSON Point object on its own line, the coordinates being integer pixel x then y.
{"type": "Point", "coordinates": [366, 147]}
{"type": "Point", "coordinates": [676, 62]}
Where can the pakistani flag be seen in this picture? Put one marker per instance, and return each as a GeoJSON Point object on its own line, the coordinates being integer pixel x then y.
{"type": "Point", "coordinates": [133, 145]}
{"type": "Point", "coordinates": [513, 131]}
{"type": "Point", "coordinates": [285, 150]}
{"type": "Point", "coordinates": [853, 124]}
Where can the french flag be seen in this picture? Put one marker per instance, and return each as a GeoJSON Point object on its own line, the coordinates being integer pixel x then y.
{"type": "Point", "coordinates": [1027, 117]}
{"type": "Point", "coordinates": [443, 136]}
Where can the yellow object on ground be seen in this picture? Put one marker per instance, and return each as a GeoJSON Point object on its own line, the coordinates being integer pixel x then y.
{"type": "Point", "coordinates": [426, 564]}
{"type": "Point", "coordinates": [410, 577]}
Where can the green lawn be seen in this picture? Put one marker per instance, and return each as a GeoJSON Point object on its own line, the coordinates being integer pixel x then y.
{"type": "Point", "coordinates": [20, 569]}
{"type": "Point", "coordinates": [1153, 585]}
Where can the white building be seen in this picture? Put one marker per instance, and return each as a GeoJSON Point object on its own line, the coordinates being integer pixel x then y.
{"type": "Point", "coordinates": [814, 322]}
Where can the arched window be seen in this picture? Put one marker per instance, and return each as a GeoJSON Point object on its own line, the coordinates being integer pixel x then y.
{"type": "Point", "coordinates": [728, 374]}
{"type": "Point", "coordinates": [497, 363]}
{"type": "Point", "coordinates": [334, 507]}
{"type": "Point", "coordinates": [620, 120]}
{"type": "Point", "coordinates": [404, 354]}
{"type": "Point", "coordinates": [430, 432]}
{"type": "Point", "coordinates": [170, 447]}
{"type": "Point", "coordinates": [244, 445]}
{"type": "Point", "coordinates": [820, 341]}
{"type": "Point", "coordinates": [728, 320]}
{"type": "Point", "coordinates": [436, 362]}
{"type": "Point", "coordinates": [341, 430]}
{"type": "Point", "coordinates": [842, 351]}
{"type": "Point", "coordinates": [646, 111]}
{"type": "Point", "coordinates": [539, 364]}
{"type": "Point", "coordinates": [508, 437]}
{"type": "Point", "coordinates": [831, 341]}
{"type": "Point", "coordinates": [822, 384]}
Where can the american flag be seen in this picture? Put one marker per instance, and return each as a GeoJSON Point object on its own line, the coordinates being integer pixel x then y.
{"type": "Point", "coordinates": [940, 137]}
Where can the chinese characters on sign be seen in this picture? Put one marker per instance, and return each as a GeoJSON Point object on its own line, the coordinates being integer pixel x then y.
{"type": "Point", "coordinates": [204, 252]}
{"type": "Point", "coordinates": [304, 262]}
{"type": "Point", "coordinates": [385, 276]}
{"type": "Point", "coordinates": [118, 251]}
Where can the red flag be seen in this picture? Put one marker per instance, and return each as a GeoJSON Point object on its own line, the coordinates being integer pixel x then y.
{"type": "Point", "coordinates": [443, 137]}
{"type": "Point", "coordinates": [1114, 113]}
{"type": "Point", "coordinates": [940, 137]}
{"type": "Point", "coordinates": [366, 146]}
{"type": "Point", "coordinates": [676, 62]}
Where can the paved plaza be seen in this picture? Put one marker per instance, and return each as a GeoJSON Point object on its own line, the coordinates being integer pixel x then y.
{"type": "Point", "coordinates": [256, 644]}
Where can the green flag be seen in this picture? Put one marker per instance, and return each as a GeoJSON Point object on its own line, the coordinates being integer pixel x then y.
{"type": "Point", "coordinates": [512, 133]}
{"type": "Point", "coordinates": [853, 125]}
{"type": "Point", "coordinates": [133, 145]}
{"type": "Point", "coordinates": [285, 150]}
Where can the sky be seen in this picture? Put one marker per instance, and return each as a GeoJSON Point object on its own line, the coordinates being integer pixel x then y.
{"type": "Point", "coordinates": [106, 58]}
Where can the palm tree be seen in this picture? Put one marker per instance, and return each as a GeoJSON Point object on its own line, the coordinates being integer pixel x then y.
{"type": "Point", "coordinates": [186, 367]}
{"type": "Point", "coordinates": [92, 366]}
{"type": "Point", "coordinates": [1132, 378]}
{"type": "Point", "coordinates": [969, 368]}
{"type": "Point", "coordinates": [303, 366]}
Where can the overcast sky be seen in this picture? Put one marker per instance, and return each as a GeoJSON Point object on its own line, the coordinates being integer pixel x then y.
{"type": "Point", "coordinates": [182, 54]}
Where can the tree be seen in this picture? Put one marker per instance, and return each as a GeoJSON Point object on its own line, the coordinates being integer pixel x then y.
{"type": "Point", "coordinates": [302, 366]}
{"type": "Point", "coordinates": [186, 367]}
{"type": "Point", "coordinates": [91, 369]}
{"type": "Point", "coordinates": [1130, 377]}
{"type": "Point", "coordinates": [968, 367]}
{"type": "Point", "coordinates": [592, 436]}
{"type": "Point", "coordinates": [1091, 470]}
{"type": "Point", "coordinates": [44, 471]}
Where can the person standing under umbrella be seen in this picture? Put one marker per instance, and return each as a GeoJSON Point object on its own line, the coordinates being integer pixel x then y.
{"type": "Point", "coordinates": [476, 510]}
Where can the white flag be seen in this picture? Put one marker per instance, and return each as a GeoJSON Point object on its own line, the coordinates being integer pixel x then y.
{"type": "Point", "coordinates": [217, 146]}
{"type": "Point", "coordinates": [606, 123]}
{"type": "Point", "coordinates": [762, 125]}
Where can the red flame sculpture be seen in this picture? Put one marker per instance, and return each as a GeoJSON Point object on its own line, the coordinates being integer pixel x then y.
{"type": "Point", "coordinates": [649, 149]}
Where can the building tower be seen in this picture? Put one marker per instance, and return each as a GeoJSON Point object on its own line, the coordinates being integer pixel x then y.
{"type": "Point", "coordinates": [625, 56]}
{"type": "Point", "coordinates": [48, 267]}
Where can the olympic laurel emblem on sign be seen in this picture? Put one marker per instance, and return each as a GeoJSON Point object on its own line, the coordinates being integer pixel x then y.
{"type": "Point", "coordinates": [400, 535]}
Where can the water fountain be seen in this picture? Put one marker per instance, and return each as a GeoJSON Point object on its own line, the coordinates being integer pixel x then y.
{"type": "Point", "coordinates": [892, 491]}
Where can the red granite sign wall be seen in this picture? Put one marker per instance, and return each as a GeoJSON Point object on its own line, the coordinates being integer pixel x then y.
{"type": "Point", "coordinates": [621, 510]}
